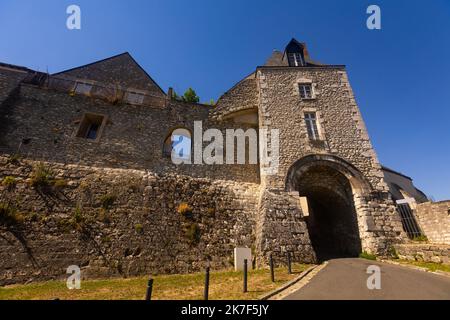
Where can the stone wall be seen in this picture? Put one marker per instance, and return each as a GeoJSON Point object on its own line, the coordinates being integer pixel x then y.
{"type": "Point", "coordinates": [434, 219]}
{"type": "Point", "coordinates": [243, 96]}
{"type": "Point", "coordinates": [424, 252]}
{"type": "Point", "coordinates": [133, 137]}
{"type": "Point", "coordinates": [281, 228]}
{"type": "Point", "coordinates": [117, 222]}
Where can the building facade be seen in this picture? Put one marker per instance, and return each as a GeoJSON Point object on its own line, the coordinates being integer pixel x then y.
{"type": "Point", "coordinates": [113, 202]}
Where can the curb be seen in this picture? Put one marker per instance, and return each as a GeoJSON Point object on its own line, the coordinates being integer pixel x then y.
{"type": "Point", "coordinates": [439, 273]}
{"type": "Point", "coordinates": [288, 284]}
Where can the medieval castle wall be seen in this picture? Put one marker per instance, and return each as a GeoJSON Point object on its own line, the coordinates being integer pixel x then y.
{"type": "Point", "coordinates": [117, 205]}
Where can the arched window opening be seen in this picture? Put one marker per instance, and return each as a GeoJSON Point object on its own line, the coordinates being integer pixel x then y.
{"type": "Point", "coordinates": [178, 145]}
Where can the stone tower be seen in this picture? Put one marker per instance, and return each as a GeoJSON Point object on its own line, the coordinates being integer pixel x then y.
{"type": "Point", "coordinates": [328, 197]}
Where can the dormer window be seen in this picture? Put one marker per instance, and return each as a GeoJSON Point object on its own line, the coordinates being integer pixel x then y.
{"type": "Point", "coordinates": [295, 59]}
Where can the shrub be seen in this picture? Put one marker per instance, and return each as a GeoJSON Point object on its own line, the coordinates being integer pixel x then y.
{"type": "Point", "coordinates": [184, 209]}
{"type": "Point", "coordinates": [368, 256]}
{"type": "Point", "coordinates": [78, 220]}
{"type": "Point", "coordinates": [138, 228]}
{"type": "Point", "coordinates": [42, 176]}
{"type": "Point", "coordinates": [9, 215]}
{"type": "Point", "coordinates": [10, 183]}
{"type": "Point", "coordinates": [193, 233]}
{"type": "Point", "coordinates": [393, 253]}
{"type": "Point", "coordinates": [108, 201]}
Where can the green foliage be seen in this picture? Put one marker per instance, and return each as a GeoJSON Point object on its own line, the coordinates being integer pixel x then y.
{"type": "Point", "coordinates": [211, 102]}
{"type": "Point", "coordinates": [421, 238]}
{"type": "Point", "coordinates": [9, 215]}
{"type": "Point", "coordinates": [138, 228]}
{"type": "Point", "coordinates": [368, 256]}
{"type": "Point", "coordinates": [393, 253]}
{"type": "Point", "coordinates": [42, 176]}
{"type": "Point", "coordinates": [108, 201]}
{"type": "Point", "coordinates": [193, 233]}
{"type": "Point", "coordinates": [78, 220]}
{"type": "Point", "coordinates": [190, 96]}
{"type": "Point", "coordinates": [10, 183]}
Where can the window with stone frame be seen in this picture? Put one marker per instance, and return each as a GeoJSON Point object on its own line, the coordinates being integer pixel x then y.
{"type": "Point", "coordinates": [305, 90]}
{"type": "Point", "coordinates": [134, 97]}
{"type": "Point", "coordinates": [82, 87]}
{"type": "Point", "coordinates": [91, 126]}
{"type": "Point", "coordinates": [311, 125]}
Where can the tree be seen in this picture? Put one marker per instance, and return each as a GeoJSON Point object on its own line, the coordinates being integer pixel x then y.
{"type": "Point", "coordinates": [191, 96]}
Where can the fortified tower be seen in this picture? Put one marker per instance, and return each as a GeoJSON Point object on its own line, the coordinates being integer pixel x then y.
{"type": "Point", "coordinates": [328, 197]}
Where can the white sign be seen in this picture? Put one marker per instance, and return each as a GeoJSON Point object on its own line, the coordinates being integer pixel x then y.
{"type": "Point", "coordinates": [240, 254]}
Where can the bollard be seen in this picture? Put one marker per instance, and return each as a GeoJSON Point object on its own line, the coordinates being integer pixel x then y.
{"type": "Point", "coordinates": [206, 292]}
{"type": "Point", "coordinates": [272, 272]}
{"type": "Point", "coordinates": [245, 275]}
{"type": "Point", "coordinates": [148, 295]}
{"type": "Point", "coordinates": [289, 263]}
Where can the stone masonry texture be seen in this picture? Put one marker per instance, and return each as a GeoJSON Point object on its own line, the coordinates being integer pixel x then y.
{"type": "Point", "coordinates": [118, 206]}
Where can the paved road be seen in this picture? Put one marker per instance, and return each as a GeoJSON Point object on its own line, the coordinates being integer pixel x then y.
{"type": "Point", "coordinates": [346, 279]}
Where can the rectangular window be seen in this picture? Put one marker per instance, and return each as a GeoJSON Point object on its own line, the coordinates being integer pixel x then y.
{"type": "Point", "coordinates": [92, 131]}
{"type": "Point", "coordinates": [90, 126]}
{"type": "Point", "coordinates": [295, 59]}
{"type": "Point", "coordinates": [83, 88]}
{"type": "Point", "coordinates": [305, 91]}
{"type": "Point", "coordinates": [311, 125]}
{"type": "Point", "coordinates": [134, 97]}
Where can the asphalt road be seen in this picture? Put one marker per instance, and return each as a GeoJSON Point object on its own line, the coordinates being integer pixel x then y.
{"type": "Point", "coordinates": [346, 279]}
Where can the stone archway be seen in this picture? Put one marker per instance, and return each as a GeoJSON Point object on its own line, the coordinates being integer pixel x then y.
{"type": "Point", "coordinates": [330, 186]}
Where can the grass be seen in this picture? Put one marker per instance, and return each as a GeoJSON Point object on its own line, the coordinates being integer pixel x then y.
{"type": "Point", "coordinates": [432, 266]}
{"type": "Point", "coordinates": [41, 176]}
{"type": "Point", "coordinates": [9, 216]}
{"type": "Point", "coordinates": [421, 238]}
{"type": "Point", "coordinates": [224, 285]}
{"type": "Point", "coordinates": [368, 256]}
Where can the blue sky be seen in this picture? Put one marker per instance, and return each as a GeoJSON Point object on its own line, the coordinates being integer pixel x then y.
{"type": "Point", "coordinates": [400, 74]}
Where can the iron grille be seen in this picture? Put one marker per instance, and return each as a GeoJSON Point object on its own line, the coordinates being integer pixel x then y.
{"type": "Point", "coordinates": [409, 222]}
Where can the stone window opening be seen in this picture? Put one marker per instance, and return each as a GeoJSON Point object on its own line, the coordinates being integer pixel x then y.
{"type": "Point", "coordinates": [91, 126]}
{"type": "Point", "coordinates": [306, 91]}
{"type": "Point", "coordinates": [311, 125]}
{"type": "Point", "coordinates": [178, 145]}
{"type": "Point", "coordinates": [83, 87]}
{"type": "Point", "coordinates": [134, 97]}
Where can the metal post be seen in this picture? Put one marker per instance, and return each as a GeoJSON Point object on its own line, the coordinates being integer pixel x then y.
{"type": "Point", "coordinates": [206, 292]}
{"type": "Point", "coordinates": [272, 272]}
{"type": "Point", "coordinates": [148, 295]}
{"type": "Point", "coordinates": [245, 275]}
{"type": "Point", "coordinates": [289, 263]}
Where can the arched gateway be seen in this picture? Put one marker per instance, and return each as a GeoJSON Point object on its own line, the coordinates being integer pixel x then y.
{"type": "Point", "coordinates": [332, 188]}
